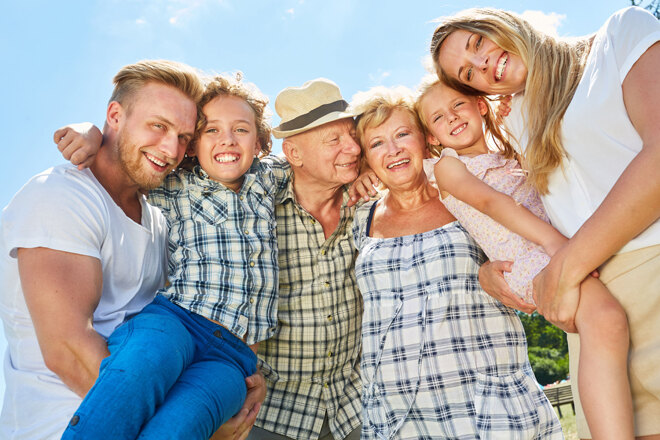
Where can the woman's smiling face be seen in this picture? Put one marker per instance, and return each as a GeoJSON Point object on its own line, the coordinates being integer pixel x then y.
{"type": "Point", "coordinates": [476, 61]}
{"type": "Point", "coordinates": [395, 149]}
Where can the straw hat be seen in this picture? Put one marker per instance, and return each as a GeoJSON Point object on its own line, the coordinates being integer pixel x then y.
{"type": "Point", "coordinates": [317, 102]}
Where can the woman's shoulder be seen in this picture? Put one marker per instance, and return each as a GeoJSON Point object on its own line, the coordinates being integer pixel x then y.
{"type": "Point", "coordinates": [630, 23]}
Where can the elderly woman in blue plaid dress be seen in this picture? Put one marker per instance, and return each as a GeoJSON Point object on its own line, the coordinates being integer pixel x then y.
{"type": "Point", "coordinates": [441, 358]}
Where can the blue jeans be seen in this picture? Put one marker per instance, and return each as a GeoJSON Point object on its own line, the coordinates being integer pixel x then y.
{"type": "Point", "coordinates": [171, 374]}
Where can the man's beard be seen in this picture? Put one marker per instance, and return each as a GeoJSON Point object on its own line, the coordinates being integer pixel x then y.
{"type": "Point", "coordinates": [130, 159]}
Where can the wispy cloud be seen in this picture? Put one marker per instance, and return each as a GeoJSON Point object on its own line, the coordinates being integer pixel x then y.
{"type": "Point", "coordinates": [379, 76]}
{"type": "Point", "coordinates": [545, 22]}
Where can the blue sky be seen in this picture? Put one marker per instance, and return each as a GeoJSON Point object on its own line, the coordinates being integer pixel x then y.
{"type": "Point", "coordinates": [60, 57]}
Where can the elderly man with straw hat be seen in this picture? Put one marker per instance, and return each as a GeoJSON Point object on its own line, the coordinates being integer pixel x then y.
{"type": "Point", "coordinates": [311, 365]}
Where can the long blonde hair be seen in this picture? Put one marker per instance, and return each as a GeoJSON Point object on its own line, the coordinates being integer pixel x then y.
{"type": "Point", "coordinates": [554, 69]}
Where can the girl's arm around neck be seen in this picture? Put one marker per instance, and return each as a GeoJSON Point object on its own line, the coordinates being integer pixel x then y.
{"type": "Point", "coordinates": [454, 178]}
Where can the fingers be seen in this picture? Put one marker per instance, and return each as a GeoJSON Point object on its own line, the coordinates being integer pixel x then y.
{"type": "Point", "coordinates": [74, 148]}
{"type": "Point", "coordinates": [502, 266]}
{"type": "Point", "coordinates": [59, 134]}
{"type": "Point", "coordinates": [375, 181]}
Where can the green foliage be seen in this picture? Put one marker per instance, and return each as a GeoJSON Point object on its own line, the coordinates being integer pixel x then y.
{"type": "Point", "coordinates": [547, 348]}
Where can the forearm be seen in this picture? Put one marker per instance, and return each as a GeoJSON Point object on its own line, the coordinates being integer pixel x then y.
{"type": "Point", "coordinates": [77, 361]}
{"type": "Point", "coordinates": [518, 219]}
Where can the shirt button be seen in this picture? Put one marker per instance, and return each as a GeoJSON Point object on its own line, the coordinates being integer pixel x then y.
{"type": "Point", "coordinates": [312, 221]}
{"type": "Point", "coordinates": [251, 300]}
{"type": "Point", "coordinates": [329, 354]}
{"type": "Point", "coordinates": [251, 263]}
{"type": "Point", "coordinates": [323, 251]}
{"type": "Point", "coordinates": [329, 317]}
{"type": "Point", "coordinates": [217, 334]}
{"type": "Point", "coordinates": [74, 420]}
{"type": "Point", "coordinates": [247, 232]}
{"type": "Point", "coordinates": [325, 385]}
{"type": "Point", "coordinates": [326, 284]}
{"type": "Point", "coordinates": [240, 197]}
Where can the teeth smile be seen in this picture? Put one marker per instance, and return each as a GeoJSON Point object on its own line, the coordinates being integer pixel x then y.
{"type": "Point", "coordinates": [158, 162]}
{"type": "Point", "coordinates": [224, 158]}
{"type": "Point", "coordinates": [397, 163]}
{"type": "Point", "coordinates": [458, 129]}
{"type": "Point", "coordinates": [500, 66]}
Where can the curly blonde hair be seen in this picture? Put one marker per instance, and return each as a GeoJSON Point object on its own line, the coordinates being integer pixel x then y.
{"type": "Point", "coordinates": [376, 105]}
{"type": "Point", "coordinates": [554, 69]}
{"type": "Point", "coordinates": [226, 85]}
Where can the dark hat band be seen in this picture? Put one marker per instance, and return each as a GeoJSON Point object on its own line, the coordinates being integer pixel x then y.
{"type": "Point", "coordinates": [314, 115]}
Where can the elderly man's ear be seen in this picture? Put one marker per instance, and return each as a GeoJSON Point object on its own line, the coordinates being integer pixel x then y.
{"type": "Point", "coordinates": [292, 153]}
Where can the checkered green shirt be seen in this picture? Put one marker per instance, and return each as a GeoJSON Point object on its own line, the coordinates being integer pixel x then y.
{"type": "Point", "coordinates": [312, 363]}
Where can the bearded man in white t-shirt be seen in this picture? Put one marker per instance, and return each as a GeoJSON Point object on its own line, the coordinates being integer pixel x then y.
{"type": "Point", "coordinates": [82, 251]}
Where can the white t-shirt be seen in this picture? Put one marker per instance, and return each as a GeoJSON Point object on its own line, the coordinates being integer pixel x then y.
{"type": "Point", "coordinates": [68, 210]}
{"type": "Point", "coordinates": [599, 139]}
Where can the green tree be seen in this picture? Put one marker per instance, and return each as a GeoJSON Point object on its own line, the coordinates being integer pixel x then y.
{"type": "Point", "coordinates": [547, 348]}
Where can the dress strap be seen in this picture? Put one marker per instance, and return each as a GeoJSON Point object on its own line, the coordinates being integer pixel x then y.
{"type": "Point", "coordinates": [370, 218]}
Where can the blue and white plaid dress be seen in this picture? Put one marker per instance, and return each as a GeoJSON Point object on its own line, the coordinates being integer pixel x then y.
{"type": "Point", "coordinates": [441, 358]}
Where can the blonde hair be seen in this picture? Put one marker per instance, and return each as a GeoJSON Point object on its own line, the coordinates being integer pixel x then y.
{"type": "Point", "coordinates": [376, 105]}
{"type": "Point", "coordinates": [554, 69]}
{"type": "Point", "coordinates": [131, 78]}
{"type": "Point", "coordinates": [493, 129]}
{"type": "Point", "coordinates": [226, 85]}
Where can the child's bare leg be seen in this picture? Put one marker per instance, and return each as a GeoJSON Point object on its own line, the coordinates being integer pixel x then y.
{"type": "Point", "coordinates": [603, 371]}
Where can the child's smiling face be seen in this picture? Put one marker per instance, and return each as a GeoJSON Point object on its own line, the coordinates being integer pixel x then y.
{"type": "Point", "coordinates": [228, 143]}
{"type": "Point", "coordinates": [454, 120]}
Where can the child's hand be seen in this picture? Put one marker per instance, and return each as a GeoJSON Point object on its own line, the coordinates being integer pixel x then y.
{"type": "Point", "coordinates": [503, 108]}
{"type": "Point", "coordinates": [79, 143]}
{"type": "Point", "coordinates": [364, 187]}
{"type": "Point", "coordinates": [491, 278]}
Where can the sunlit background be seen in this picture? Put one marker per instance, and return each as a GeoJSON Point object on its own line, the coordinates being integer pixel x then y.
{"type": "Point", "coordinates": [59, 58]}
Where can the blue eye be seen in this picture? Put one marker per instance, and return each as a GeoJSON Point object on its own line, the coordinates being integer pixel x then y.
{"type": "Point", "coordinates": [469, 74]}
{"type": "Point", "coordinates": [376, 144]}
{"type": "Point", "coordinates": [479, 41]}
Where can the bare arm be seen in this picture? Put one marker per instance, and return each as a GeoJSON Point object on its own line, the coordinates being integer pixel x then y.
{"type": "Point", "coordinates": [62, 291]}
{"type": "Point", "coordinates": [453, 177]}
{"type": "Point", "coordinates": [79, 143]}
{"type": "Point", "coordinates": [631, 206]}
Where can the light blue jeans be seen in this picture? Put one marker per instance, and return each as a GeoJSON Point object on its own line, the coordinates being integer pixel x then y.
{"type": "Point", "coordinates": [171, 374]}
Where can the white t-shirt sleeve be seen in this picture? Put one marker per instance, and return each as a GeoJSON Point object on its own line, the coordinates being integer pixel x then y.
{"type": "Point", "coordinates": [61, 211]}
{"type": "Point", "coordinates": [631, 32]}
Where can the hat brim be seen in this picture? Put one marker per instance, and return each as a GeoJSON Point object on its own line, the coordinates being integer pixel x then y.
{"type": "Point", "coordinates": [330, 117]}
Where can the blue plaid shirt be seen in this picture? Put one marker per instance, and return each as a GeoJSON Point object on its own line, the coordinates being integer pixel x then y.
{"type": "Point", "coordinates": [222, 247]}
